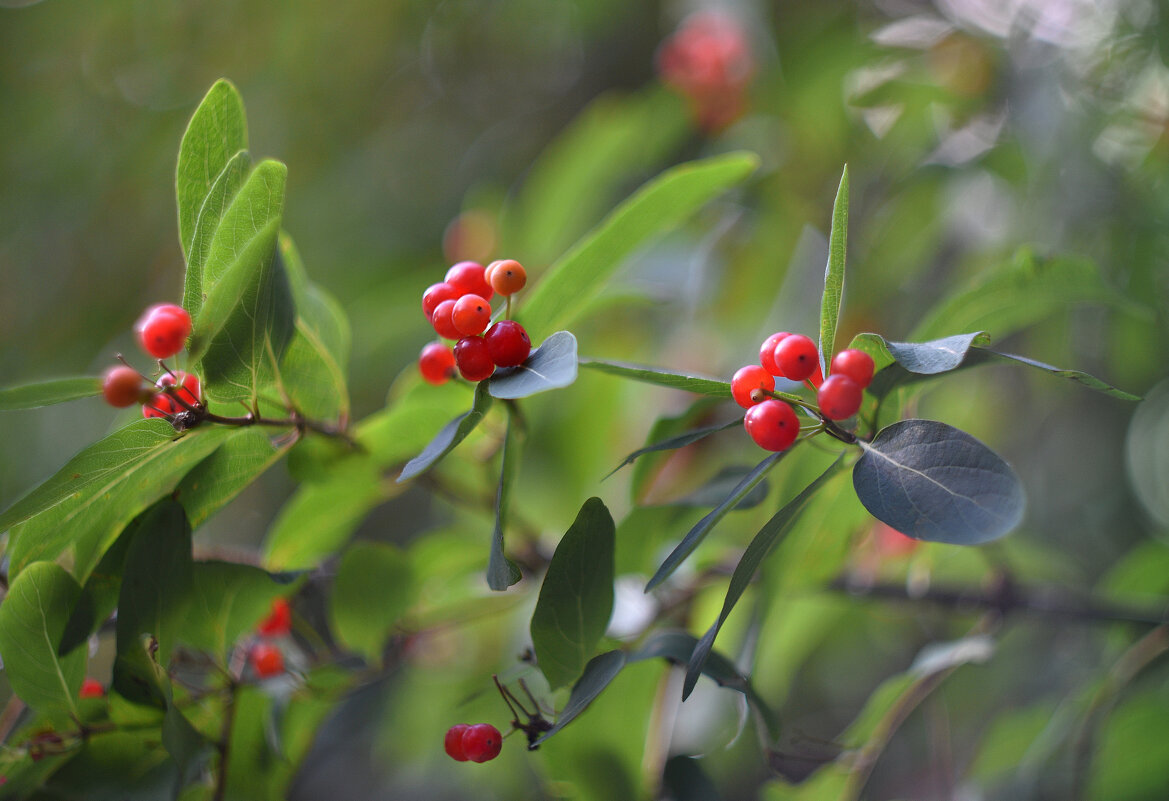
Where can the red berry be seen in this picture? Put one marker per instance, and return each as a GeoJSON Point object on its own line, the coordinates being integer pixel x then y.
{"type": "Point", "coordinates": [506, 276]}
{"type": "Point", "coordinates": [436, 363]}
{"type": "Point", "coordinates": [767, 352]}
{"type": "Point", "coordinates": [279, 619]}
{"type": "Point", "coordinates": [797, 357]}
{"type": "Point", "coordinates": [436, 294]}
{"type": "Point", "coordinates": [856, 364]}
{"type": "Point", "coordinates": [91, 688]}
{"type": "Point", "coordinates": [468, 277]}
{"type": "Point", "coordinates": [748, 379]}
{"type": "Point", "coordinates": [508, 343]}
{"type": "Point", "coordinates": [163, 329]}
{"type": "Point", "coordinates": [160, 406]}
{"type": "Point", "coordinates": [442, 322]}
{"type": "Point", "coordinates": [471, 315]}
{"type": "Point", "coordinates": [474, 358]}
{"type": "Point", "coordinates": [267, 660]}
{"type": "Point", "coordinates": [772, 424]}
{"type": "Point", "coordinates": [122, 387]}
{"type": "Point", "coordinates": [839, 397]}
{"type": "Point", "coordinates": [453, 742]}
{"type": "Point", "coordinates": [186, 387]}
{"type": "Point", "coordinates": [482, 742]}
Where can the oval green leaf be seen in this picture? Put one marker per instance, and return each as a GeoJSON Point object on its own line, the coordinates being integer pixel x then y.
{"type": "Point", "coordinates": [373, 589]}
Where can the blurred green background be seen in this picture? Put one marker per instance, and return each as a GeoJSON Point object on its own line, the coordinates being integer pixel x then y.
{"type": "Point", "coordinates": [981, 138]}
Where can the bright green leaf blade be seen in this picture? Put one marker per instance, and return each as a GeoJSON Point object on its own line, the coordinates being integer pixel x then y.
{"type": "Point", "coordinates": [218, 200]}
{"type": "Point", "coordinates": [688, 382]}
{"type": "Point", "coordinates": [834, 273]}
{"type": "Point", "coordinates": [576, 597]}
{"type": "Point", "coordinates": [373, 589]}
{"type": "Point", "coordinates": [598, 673]}
{"type": "Point", "coordinates": [234, 465]}
{"type": "Point", "coordinates": [656, 208]}
{"type": "Point", "coordinates": [550, 366]}
{"type": "Point", "coordinates": [32, 622]}
{"type": "Point", "coordinates": [87, 504]}
{"type": "Point", "coordinates": [501, 571]}
{"type": "Point", "coordinates": [217, 131]}
{"type": "Point", "coordinates": [227, 600]}
{"type": "Point", "coordinates": [450, 436]}
{"type": "Point", "coordinates": [760, 546]}
{"type": "Point", "coordinates": [46, 393]}
{"type": "Point", "coordinates": [698, 533]}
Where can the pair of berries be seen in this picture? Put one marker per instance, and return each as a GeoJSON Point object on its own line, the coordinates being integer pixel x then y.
{"type": "Point", "coordinates": [459, 308]}
{"type": "Point", "coordinates": [480, 742]}
{"type": "Point", "coordinates": [267, 659]}
{"type": "Point", "coordinates": [773, 424]}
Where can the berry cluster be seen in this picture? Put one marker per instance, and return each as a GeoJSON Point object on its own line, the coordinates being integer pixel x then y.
{"type": "Point", "coordinates": [459, 308]}
{"type": "Point", "coordinates": [771, 422]}
{"type": "Point", "coordinates": [266, 657]}
{"type": "Point", "coordinates": [480, 742]}
{"type": "Point", "coordinates": [708, 60]}
{"type": "Point", "coordinates": [162, 332]}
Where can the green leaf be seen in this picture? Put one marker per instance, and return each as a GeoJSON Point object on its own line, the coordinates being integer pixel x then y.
{"type": "Point", "coordinates": [501, 571]}
{"type": "Point", "coordinates": [760, 546]}
{"type": "Point", "coordinates": [218, 200]}
{"type": "Point", "coordinates": [679, 441]}
{"type": "Point", "coordinates": [99, 594]}
{"type": "Point", "coordinates": [550, 366]}
{"type": "Point", "coordinates": [656, 208]}
{"type": "Point", "coordinates": [46, 393]}
{"type": "Point", "coordinates": [576, 597]}
{"type": "Point", "coordinates": [598, 673]}
{"type": "Point", "coordinates": [80, 511]}
{"type": "Point", "coordinates": [726, 480]}
{"type": "Point", "coordinates": [234, 465]}
{"type": "Point", "coordinates": [374, 588]}
{"type": "Point", "coordinates": [450, 436]}
{"type": "Point", "coordinates": [32, 622]}
{"type": "Point", "coordinates": [834, 273]}
{"type": "Point", "coordinates": [122, 765]}
{"type": "Point", "coordinates": [227, 600]}
{"type": "Point", "coordinates": [698, 533]}
{"type": "Point", "coordinates": [981, 355]}
{"type": "Point", "coordinates": [700, 385]}
{"type": "Point", "coordinates": [217, 131]}
{"type": "Point", "coordinates": [685, 780]}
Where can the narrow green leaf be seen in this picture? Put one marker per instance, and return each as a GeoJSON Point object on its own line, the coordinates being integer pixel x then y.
{"type": "Point", "coordinates": [80, 511]}
{"type": "Point", "coordinates": [217, 131]}
{"type": "Point", "coordinates": [700, 385]}
{"type": "Point", "coordinates": [550, 366]}
{"type": "Point", "coordinates": [32, 622]}
{"type": "Point", "coordinates": [46, 393]}
{"type": "Point", "coordinates": [834, 273]}
{"type": "Point", "coordinates": [726, 480]}
{"type": "Point", "coordinates": [227, 600]}
{"type": "Point", "coordinates": [373, 589]}
{"type": "Point", "coordinates": [679, 441]}
{"type": "Point", "coordinates": [760, 546]}
{"type": "Point", "coordinates": [981, 355]}
{"type": "Point", "coordinates": [234, 465]}
{"type": "Point", "coordinates": [218, 200]}
{"type": "Point", "coordinates": [576, 597]}
{"type": "Point", "coordinates": [450, 436]}
{"type": "Point", "coordinates": [501, 571]}
{"type": "Point", "coordinates": [598, 673]}
{"type": "Point", "coordinates": [697, 534]}
{"type": "Point", "coordinates": [659, 206]}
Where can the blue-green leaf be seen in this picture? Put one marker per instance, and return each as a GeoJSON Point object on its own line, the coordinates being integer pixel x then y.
{"type": "Point", "coordinates": [451, 435]}
{"type": "Point", "coordinates": [550, 366]}
{"type": "Point", "coordinates": [598, 673]}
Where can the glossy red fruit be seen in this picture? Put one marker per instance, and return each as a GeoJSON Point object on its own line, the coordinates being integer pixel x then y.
{"type": "Point", "coordinates": [436, 363]}
{"type": "Point", "coordinates": [797, 357]}
{"type": "Point", "coordinates": [279, 619]}
{"type": "Point", "coordinates": [482, 742]}
{"type": "Point", "coordinates": [473, 358]}
{"type": "Point", "coordinates": [436, 294]}
{"type": "Point", "coordinates": [839, 397]}
{"type": "Point", "coordinates": [91, 688]}
{"type": "Point", "coordinates": [508, 343]}
{"type": "Point", "coordinates": [856, 364]}
{"type": "Point", "coordinates": [506, 276]}
{"type": "Point", "coordinates": [186, 387]}
{"type": "Point", "coordinates": [266, 659]}
{"type": "Point", "coordinates": [471, 315]}
{"type": "Point", "coordinates": [469, 278]}
{"type": "Point", "coordinates": [160, 406]}
{"type": "Point", "coordinates": [767, 352]}
{"type": "Point", "coordinates": [453, 742]}
{"type": "Point", "coordinates": [163, 329]}
{"type": "Point", "coordinates": [442, 322]}
{"type": "Point", "coordinates": [772, 424]}
{"type": "Point", "coordinates": [748, 379]}
{"type": "Point", "coordinates": [122, 387]}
